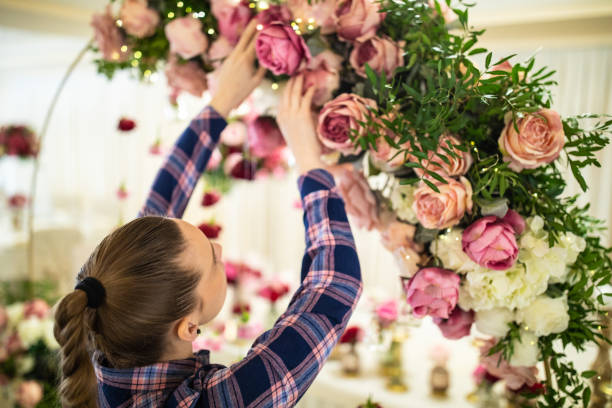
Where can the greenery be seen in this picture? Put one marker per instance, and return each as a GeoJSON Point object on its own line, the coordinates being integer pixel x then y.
{"type": "Point", "coordinates": [441, 89]}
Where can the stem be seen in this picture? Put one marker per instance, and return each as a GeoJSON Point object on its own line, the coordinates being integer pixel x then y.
{"type": "Point", "coordinates": [45, 126]}
{"type": "Point", "coordinates": [548, 374]}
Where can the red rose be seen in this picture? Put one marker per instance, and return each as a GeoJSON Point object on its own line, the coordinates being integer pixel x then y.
{"type": "Point", "coordinates": [211, 230]}
{"type": "Point", "coordinates": [273, 291]}
{"type": "Point", "coordinates": [17, 201]}
{"type": "Point", "coordinates": [352, 335]}
{"type": "Point", "coordinates": [239, 168]}
{"type": "Point", "coordinates": [126, 125]}
{"type": "Point", "coordinates": [241, 308]}
{"type": "Point", "coordinates": [280, 49]}
{"type": "Point", "coordinates": [210, 198]}
{"type": "Point", "coordinates": [18, 141]}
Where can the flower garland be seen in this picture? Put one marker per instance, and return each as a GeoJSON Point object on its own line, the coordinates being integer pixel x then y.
{"type": "Point", "coordinates": [457, 165]}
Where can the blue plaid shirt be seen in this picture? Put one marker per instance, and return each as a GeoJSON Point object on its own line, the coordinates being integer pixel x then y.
{"type": "Point", "coordinates": [282, 362]}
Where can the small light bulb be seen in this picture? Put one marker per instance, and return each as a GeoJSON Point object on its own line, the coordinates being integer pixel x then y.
{"type": "Point", "coordinates": [180, 4]}
{"type": "Point", "coordinates": [310, 27]}
{"type": "Point", "coordinates": [171, 14]}
{"type": "Point", "coordinates": [134, 63]}
{"type": "Point", "coordinates": [147, 73]}
{"type": "Point", "coordinates": [202, 14]}
{"type": "Point", "coordinates": [115, 55]}
{"type": "Point", "coordinates": [119, 23]}
{"type": "Point", "coordinates": [298, 20]}
{"type": "Point", "coordinates": [137, 54]}
{"type": "Point", "coordinates": [263, 5]}
{"type": "Point", "coordinates": [275, 86]}
{"type": "Point", "coordinates": [311, 20]}
{"type": "Point", "coordinates": [188, 10]}
{"type": "Point", "coordinates": [124, 48]}
{"type": "Point", "coordinates": [211, 31]}
{"type": "Point", "coordinates": [252, 5]}
{"type": "Point", "coordinates": [259, 27]}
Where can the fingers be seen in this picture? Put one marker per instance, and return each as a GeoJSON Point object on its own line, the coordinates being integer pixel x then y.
{"type": "Point", "coordinates": [307, 99]}
{"type": "Point", "coordinates": [296, 92]}
{"type": "Point", "coordinates": [247, 36]}
{"type": "Point", "coordinates": [287, 95]}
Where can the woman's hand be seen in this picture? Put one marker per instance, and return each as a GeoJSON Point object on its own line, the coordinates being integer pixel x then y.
{"type": "Point", "coordinates": [296, 122]}
{"type": "Point", "coordinates": [237, 76]}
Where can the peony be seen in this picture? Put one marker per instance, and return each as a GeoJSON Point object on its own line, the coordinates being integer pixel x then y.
{"type": "Point", "coordinates": [280, 49]}
{"type": "Point", "coordinates": [397, 234]}
{"type": "Point", "coordinates": [108, 37]}
{"type": "Point", "coordinates": [457, 166]}
{"type": "Point", "coordinates": [491, 242]}
{"type": "Point", "coordinates": [186, 37]}
{"type": "Point", "coordinates": [138, 19]}
{"type": "Point", "coordinates": [387, 313]}
{"type": "Point", "coordinates": [265, 137]}
{"type": "Point", "coordinates": [545, 316]}
{"type": "Point", "coordinates": [36, 308]}
{"type": "Point", "coordinates": [274, 14]}
{"type": "Point", "coordinates": [29, 394]}
{"type": "Point", "coordinates": [232, 18]}
{"type": "Point", "coordinates": [402, 198]}
{"type": "Point", "coordinates": [447, 248]}
{"type": "Point", "coordinates": [187, 77]}
{"type": "Point", "coordinates": [323, 72]}
{"type": "Point", "coordinates": [458, 324]}
{"type": "Point", "coordinates": [358, 198]}
{"type": "Point", "coordinates": [320, 13]}
{"type": "Point", "coordinates": [382, 54]}
{"type": "Point", "coordinates": [494, 322]}
{"type": "Point", "coordinates": [496, 366]}
{"type": "Point", "coordinates": [358, 20]}
{"type": "Point", "coordinates": [234, 134]}
{"type": "Point", "coordinates": [433, 292]}
{"type": "Point", "coordinates": [526, 350]}
{"type": "Point", "coordinates": [339, 118]}
{"type": "Point", "coordinates": [446, 208]}
{"type": "Point", "coordinates": [387, 157]}
{"type": "Point", "coordinates": [539, 140]}
{"type": "Point", "coordinates": [218, 50]}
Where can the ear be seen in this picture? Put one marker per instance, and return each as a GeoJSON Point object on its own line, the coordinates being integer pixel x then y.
{"type": "Point", "coordinates": [187, 329]}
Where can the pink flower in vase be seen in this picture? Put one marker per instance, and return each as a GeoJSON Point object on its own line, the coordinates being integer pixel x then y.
{"type": "Point", "coordinates": [241, 308]}
{"type": "Point", "coordinates": [156, 149]}
{"type": "Point", "coordinates": [273, 291]}
{"type": "Point", "coordinates": [458, 324]}
{"type": "Point", "coordinates": [249, 330]}
{"type": "Point", "coordinates": [126, 124]}
{"type": "Point", "coordinates": [352, 335]}
{"type": "Point", "coordinates": [210, 198]}
{"type": "Point", "coordinates": [515, 376]}
{"type": "Point", "coordinates": [433, 292]}
{"type": "Point", "coordinates": [387, 313]}
{"type": "Point", "coordinates": [264, 137]}
{"type": "Point", "coordinates": [236, 166]}
{"type": "Point", "coordinates": [17, 201]}
{"type": "Point", "coordinates": [122, 192]}
{"type": "Point", "coordinates": [211, 230]}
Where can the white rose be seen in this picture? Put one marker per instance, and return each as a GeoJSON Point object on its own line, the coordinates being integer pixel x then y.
{"type": "Point", "coordinates": [402, 198]}
{"type": "Point", "coordinates": [48, 336]}
{"type": "Point", "coordinates": [525, 351]}
{"type": "Point", "coordinates": [545, 316]}
{"type": "Point", "coordinates": [30, 331]}
{"type": "Point", "coordinates": [25, 365]}
{"type": "Point", "coordinates": [14, 313]}
{"type": "Point", "coordinates": [494, 322]}
{"type": "Point", "coordinates": [447, 247]}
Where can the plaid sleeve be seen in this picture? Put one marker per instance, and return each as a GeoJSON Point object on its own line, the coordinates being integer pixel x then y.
{"type": "Point", "coordinates": [180, 172]}
{"type": "Point", "coordinates": [285, 360]}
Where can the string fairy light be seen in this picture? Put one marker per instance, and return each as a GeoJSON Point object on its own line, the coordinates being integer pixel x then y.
{"type": "Point", "coordinates": [211, 31]}
{"type": "Point", "coordinates": [275, 86]}
{"type": "Point", "coordinates": [137, 54]}
{"type": "Point", "coordinates": [171, 14]}
{"type": "Point", "coordinates": [119, 23]}
{"type": "Point", "coordinates": [180, 4]}
{"type": "Point", "coordinates": [124, 48]}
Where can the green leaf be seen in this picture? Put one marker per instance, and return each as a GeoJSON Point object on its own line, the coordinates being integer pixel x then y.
{"type": "Point", "coordinates": [468, 45]}
{"type": "Point", "coordinates": [431, 185]}
{"type": "Point", "coordinates": [477, 51]}
{"type": "Point", "coordinates": [588, 374]}
{"type": "Point", "coordinates": [586, 397]}
{"type": "Point", "coordinates": [488, 60]}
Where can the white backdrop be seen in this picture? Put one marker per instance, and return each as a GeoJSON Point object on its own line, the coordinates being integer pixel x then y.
{"type": "Point", "coordinates": [84, 158]}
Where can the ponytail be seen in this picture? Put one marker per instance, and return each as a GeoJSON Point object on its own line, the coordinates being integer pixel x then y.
{"type": "Point", "coordinates": [72, 330]}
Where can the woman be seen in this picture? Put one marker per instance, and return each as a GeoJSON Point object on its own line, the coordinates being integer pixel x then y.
{"type": "Point", "coordinates": [126, 330]}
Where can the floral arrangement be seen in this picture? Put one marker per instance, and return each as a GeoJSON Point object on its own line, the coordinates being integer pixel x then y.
{"type": "Point", "coordinates": [28, 359]}
{"type": "Point", "coordinates": [18, 141]}
{"type": "Point", "coordinates": [458, 165]}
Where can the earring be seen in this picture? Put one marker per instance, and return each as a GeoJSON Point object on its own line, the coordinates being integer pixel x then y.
{"type": "Point", "coordinates": [199, 332]}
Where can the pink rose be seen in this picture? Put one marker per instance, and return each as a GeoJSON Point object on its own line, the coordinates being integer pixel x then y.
{"type": "Point", "coordinates": [29, 394]}
{"type": "Point", "coordinates": [17, 201]}
{"type": "Point", "coordinates": [457, 166]}
{"type": "Point", "coordinates": [386, 156]}
{"type": "Point", "coordinates": [234, 134]}
{"type": "Point", "coordinates": [504, 66]}
{"type": "Point", "coordinates": [318, 13]}
{"type": "Point", "coordinates": [433, 292]}
{"type": "Point", "coordinates": [539, 140]}
{"type": "Point", "coordinates": [408, 260]}
{"type": "Point", "coordinates": [358, 20]}
{"type": "Point", "coordinates": [186, 37]}
{"type": "Point", "coordinates": [108, 37]}
{"type": "Point", "coordinates": [274, 14]}
{"type": "Point", "coordinates": [218, 50]}
{"type": "Point", "coordinates": [323, 72]}
{"type": "Point", "coordinates": [236, 166]}
{"type": "Point", "coordinates": [387, 313]}
{"type": "Point", "coordinates": [382, 54]}
{"type": "Point", "coordinates": [36, 308]}
{"type": "Point", "coordinates": [215, 160]}
{"type": "Point", "coordinates": [398, 235]}
{"type": "Point", "coordinates": [491, 242]}
{"type": "Point", "coordinates": [358, 198]}
{"type": "Point", "coordinates": [497, 366]}
{"type": "Point", "coordinates": [446, 208]}
{"type": "Point", "coordinates": [280, 49]}
{"type": "Point", "coordinates": [232, 18]}
{"type": "Point", "coordinates": [339, 117]}
{"type": "Point", "coordinates": [188, 77]}
{"type": "Point", "coordinates": [458, 325]}
{"type": "Point", "coordinates": [250, 330]}
{"type": "Point", "coordinates": [138, 19]}
{"type": "Point", "coordinates": [264, 136]}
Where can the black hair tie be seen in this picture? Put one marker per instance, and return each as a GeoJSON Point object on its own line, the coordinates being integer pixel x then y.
{"type": "Point", "coordinates": [94, 290]}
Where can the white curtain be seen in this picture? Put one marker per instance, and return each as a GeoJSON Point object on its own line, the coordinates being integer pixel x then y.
{"type": "Point", "coordinates": [85, 158]}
